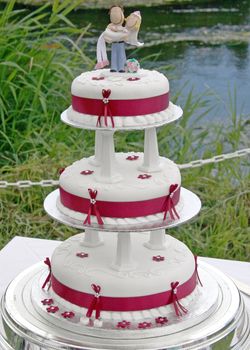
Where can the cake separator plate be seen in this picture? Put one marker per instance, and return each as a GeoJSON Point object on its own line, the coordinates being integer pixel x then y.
{"type": "Point", "coordinates": [191, 207]}
{"type": "Point", "coordinates": [227, 327]}
{"type": "Point", "coordinates": [177, 114]}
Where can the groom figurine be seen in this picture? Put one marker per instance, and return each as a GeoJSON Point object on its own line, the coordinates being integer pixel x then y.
{"type": "Point", "coordinates": [118, 55]}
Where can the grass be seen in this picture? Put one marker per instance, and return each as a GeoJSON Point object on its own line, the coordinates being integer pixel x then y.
{"type": "Point", "coordinates": [40, 53]}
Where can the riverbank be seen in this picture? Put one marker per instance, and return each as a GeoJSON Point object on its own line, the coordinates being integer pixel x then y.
{"type": "Point", "coordinates": [105, 4]}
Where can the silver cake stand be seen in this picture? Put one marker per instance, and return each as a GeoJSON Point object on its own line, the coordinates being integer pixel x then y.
{"type": "Point", "coordinates": [24, 328]}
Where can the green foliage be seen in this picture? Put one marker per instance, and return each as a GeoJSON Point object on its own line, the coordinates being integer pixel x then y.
{"type": "Point", "coordinates": [40, 53]}
{"type": "Point", "coordinates": [39, 58]}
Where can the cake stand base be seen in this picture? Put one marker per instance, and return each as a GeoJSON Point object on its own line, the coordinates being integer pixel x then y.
{"type": "Point", "coordinates": [24, 328]}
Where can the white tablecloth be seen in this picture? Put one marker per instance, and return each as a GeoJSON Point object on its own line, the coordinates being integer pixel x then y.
{"type": "Point", "coordinates": [21, 252]}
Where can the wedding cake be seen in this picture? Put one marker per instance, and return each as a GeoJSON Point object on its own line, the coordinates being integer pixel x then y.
{"type": "Point", "coordinates": [121, 280]}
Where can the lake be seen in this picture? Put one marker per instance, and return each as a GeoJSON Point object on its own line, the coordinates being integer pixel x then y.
{"type": "Point", "coordinates": [204, 47]}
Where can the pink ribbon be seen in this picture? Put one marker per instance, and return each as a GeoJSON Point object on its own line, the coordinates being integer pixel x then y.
{"type": "Point", "coordinates": [106, 109]}
{"type": "Point", "coordinates": [119, 304]}
{"type": "Point", "coordinates": [196, 270]}
{"type": "Point", "coordinates": [179, 309]}
{"type": "Point", "coordinates": [118, 209]}
{"type": "Point", "coordinates": [48, 278]}
{"type": "Point", "coordinates": [93, 210]}
{"type": "Point", "coordinates": [124, 108]}
{"type": "Point", "coordinates": [95, 303]}
{"type": "Point", "coordinates": [170, 205]}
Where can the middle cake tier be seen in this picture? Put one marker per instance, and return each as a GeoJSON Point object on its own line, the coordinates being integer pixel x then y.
{"type": "Point", "coordinates": [136, 198]}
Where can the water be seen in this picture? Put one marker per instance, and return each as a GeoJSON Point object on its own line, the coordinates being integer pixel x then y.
{"type": "Point", "coordinates": [201, 46]}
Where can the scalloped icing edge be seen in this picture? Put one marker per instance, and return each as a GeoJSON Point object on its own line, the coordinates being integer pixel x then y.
{"type": "Point", "coordinates": [116, 221]}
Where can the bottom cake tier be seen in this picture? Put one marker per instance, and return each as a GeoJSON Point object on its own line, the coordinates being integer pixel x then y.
{"type": "Point", "coordinates": [156, 287]}
{"type": "Point", "coordinates": [216, 319]}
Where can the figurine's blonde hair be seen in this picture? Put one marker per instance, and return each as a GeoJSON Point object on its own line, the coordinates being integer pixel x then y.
{"type": "Point", "coordinates": [138, 22]}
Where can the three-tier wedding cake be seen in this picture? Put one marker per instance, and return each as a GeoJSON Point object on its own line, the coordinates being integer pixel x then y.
{"type": "Point", "coordinates": [124, 272]}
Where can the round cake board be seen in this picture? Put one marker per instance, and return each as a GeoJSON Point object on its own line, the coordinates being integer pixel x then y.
{"type": "Point", "coordinates": [227, 327]}
{"type": "Point", "coordinates": [177, 114]}
{"type": "Point", "coordinates": [191, 207]}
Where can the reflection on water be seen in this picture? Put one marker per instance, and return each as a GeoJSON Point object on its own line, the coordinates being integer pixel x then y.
{"type": "Point", "coordinates": [207, 45]}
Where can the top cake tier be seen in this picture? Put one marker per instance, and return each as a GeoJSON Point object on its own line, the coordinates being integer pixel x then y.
{"type": "Point", "coordinates": [105, 100]}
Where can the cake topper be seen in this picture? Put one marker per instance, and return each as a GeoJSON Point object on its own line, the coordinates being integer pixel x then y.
{"type": "Point", "coordinates": [117, 35]}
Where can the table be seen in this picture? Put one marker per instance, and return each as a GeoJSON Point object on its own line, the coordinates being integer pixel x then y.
{"type": "Point", "coordinates": [22, 252]}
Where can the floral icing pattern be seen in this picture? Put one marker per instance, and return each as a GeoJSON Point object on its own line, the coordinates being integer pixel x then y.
{"type": "Point", "coordinates": [161, 320]}
{"type": "Point", "coordinates": [82, 255]}
{"type": "Point", "coordinates": [87, 172]}
{"type": "Point", "coordinates": [132, 157]}
{"type": "Point", "coordinates": [52, 309]}
{"type": "Point", "coordinates": [158, 258]}
{"type": "Point", "coordinates": [47, 301]}
{"type": "Point", "coordinates": [144, 325]}
{"type": "Point", "coordinates": [98, 78]}
{"type": "Point", "coordinates": [144, 176]}
{"type": "Point", "coordinates": [68, 314]}
{"type": "Point", "coordinates": [123, 324]}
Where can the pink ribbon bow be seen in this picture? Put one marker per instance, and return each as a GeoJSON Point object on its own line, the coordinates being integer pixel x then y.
{"type": "Point", "coordinates": [47, 262]}
{"type": "Point", "coordinates": [179, 309]}
{"type": "Point", "coordinates": [169, 204]}
{"type": "Point", "coordinates": [93, 208]}
{"type": "Point", "coordinates": [95, 303]}
{"type": "Point", "coordinates": [196, 270]}
{"type": "Point", "coordinates": [106, 109]}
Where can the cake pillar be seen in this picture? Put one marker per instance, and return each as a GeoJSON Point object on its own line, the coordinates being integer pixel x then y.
{"type": "Point", "coordinates": [151, 160]}
{"type": "Point", "coordinates": [157, 240]}
{"type": "Point", "coordinates": [107, 173]}
{"type": "Point", "coordinates": [123, 260]}
{"type": "Point", "coordinates": [91, 238]}
{"type": "Point", "coordinates": [96, 159]}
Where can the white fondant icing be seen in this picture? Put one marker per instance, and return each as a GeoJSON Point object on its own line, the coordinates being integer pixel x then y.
{"type": "Point", "coordinates": [148, 276]}
{"type": "Point", "coordinates": [150, 84]}
{"type": "Point", "coordinates": [131, 188]}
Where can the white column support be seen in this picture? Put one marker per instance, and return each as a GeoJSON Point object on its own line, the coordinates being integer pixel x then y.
{"type": "Point", "coordinates": [108, 173]}
{"type": "Point", "coordinates": [91, 238]}
{"type": "Point", "coordinates": [151, 160]}
{"type": "Point", "coordinates": [96, 159]}
{"type": "Point", "coordinates": [123, 260]}
{"type": "Point", "coordinates": [157, 240]}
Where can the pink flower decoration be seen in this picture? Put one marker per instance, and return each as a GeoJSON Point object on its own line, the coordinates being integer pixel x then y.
{"type": "Point", "coordinates": [123, 324]}
{"type": "Point", "coordinates": [98, 78]}
{"type": "Point", "coordinates": [158, 258]}
{"type": "Point", "coordinates": [87, 172]}
{"type": "Point", "coordinates": [143, 325]}
{"type": "Point", "coordinates": [61, 170]}
{"type": "Point", "coordinates": [52, 309]}
{"type": "Point", "coordinates": [161, 320]}
{"type": "Point", "coordinates": [68, 314]}
{"type": "Point", "coordinates": [133, 79]}
{"type": "Point", "coordinates": [134, 157]}
{"type": "Point", "coordinates": [144, 176]}
{"type": "Point", "coordinates": [82, 255]}
{"type": "Point", "coordinates": [47, 301]}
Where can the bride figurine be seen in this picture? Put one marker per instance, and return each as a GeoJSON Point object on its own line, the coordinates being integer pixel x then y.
{"type": "Point", "coordinates": [133, 23]}
{"type": "Point", "coordinates": [117, 35]}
